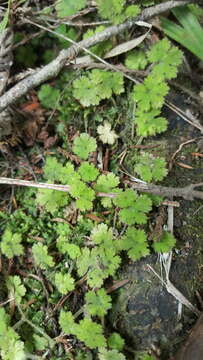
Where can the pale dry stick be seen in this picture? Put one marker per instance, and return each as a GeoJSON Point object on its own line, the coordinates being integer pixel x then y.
{"type": "Point", "coordinates": [185, 117]}
{"type": "Point", "coordinates": [187, 192]}
{"type": "Point", "coordinates": [76, 24]}
{"type": "Point", "coordinates": [54, 67]}
{"type": "Point", "coordinates": [166, 258]}
{"type": "Point", "coordinates": [110, 66]}
{"type": "Point", "coordinates": [176, 293]}
{"type": "Point", "coordinates": [185, 90]}
{"type": "Point", "coordinates": [18, 182]}
{"type": "Point", "coordinates": [6, 302]}
{"type": "Point", "coordinates": [92, 65]}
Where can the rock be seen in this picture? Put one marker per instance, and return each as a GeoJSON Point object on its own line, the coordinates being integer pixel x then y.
{"type": "Point", "coordinates": [145, 313]}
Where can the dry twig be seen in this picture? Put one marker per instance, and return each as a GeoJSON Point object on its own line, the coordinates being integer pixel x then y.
{"type": "Point", "coordinates": [186, 192]}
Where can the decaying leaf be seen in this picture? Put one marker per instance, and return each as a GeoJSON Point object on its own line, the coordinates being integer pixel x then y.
{"type": "Point", "coordinates": [106, 135]}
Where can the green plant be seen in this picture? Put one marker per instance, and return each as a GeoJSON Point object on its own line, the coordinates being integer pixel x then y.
{"type": "Point", "coordinates": [99, 263]}
{"type": "Point", "coordinates": [16, 289]}
{"type": "Point", "coordinates": [64, 282]}
{"type": "Point", "coordinates": [97, 303]}
{"type": "Point", "coordinates": [92, 252]}
{"type": "Point", "coordinates": [41, 257]}
{"type": "Point", "coordinates": [149, 95]}
{"type": "Point", "coordinates": [166, 243]}
{"type": "Point", "coordinates": [107, 184]}
{"type": "Point", "coordinates": [10, 345]}
{"type": "Point", "coordinates": [136, 60]}
{"type": "Point", "coordinates": [48, 96]}
{"type": "Point", "coordinates": [51, 199]}
{"type": "Point", "coordinates": [97, 85]}
{"type": "Point", "coordinates": [150, 168]}
{"type": "Point", "coordinates": [105, 354]}
{"type": "Point", "coordinates": [133, 207]}
{"type": "Point", "coordinates": [11, 244]}
{"type": "Point", "coordinates": [74, 241]}
{"type": "Point", "coordinates": [135, 242]}
{"type": "Point", "coordinates": [115, 341]}
{"type": "Point", "coordinates": [87, 330]}
{"type": "Point", "coordinates": [144, 356]}
{"type": "Point", "coordinates": [83, 145]}
{"type": "Point", "coordinates": [64, 247]}
{"type": "Point", "coordinates": [116, 10]}
{"type": "Point", "coordinates": [88, 172]}
{"type": "Point", "coordinates": [189, 33]}
{"type": "Point", "coordinates": [68, 7]}
{"type": "Point", "coordinates": [5, 19]}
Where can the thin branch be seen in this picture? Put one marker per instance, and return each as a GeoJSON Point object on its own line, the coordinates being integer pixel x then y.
{"type": "Point", "coordinates": [186, 192]}
{"type": "Point", "coordinates": [18, 182]}
{"type": "Point", "coordinates": [54, 67]}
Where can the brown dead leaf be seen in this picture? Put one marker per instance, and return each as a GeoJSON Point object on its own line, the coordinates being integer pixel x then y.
{"type": "Point", "coordinates": [30, 106]}
{"type": "Point", "coordinates": [50, 141]}
{"type": "Point", "coordinates": [30, 130]}
{"type": "Point", "coordinates": [94, 217]}
{"type": "Point", "coordinates": [185, 166]}
{"type": "Point", "coordinates": [69, 156]}
{"type": "Point", "coordinates": [43, 135]}
{"type": "Point", "coordinates": [197, 154]}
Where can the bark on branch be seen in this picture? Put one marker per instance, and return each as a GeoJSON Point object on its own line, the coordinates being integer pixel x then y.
{"type": "Point", "coordinates": [187, 192]}
{"type": "Point", "coordinates": [54, 67]}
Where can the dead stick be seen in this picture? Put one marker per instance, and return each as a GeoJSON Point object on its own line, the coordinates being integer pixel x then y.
{"type": "Point", "coordinates": [186, 192]}
{"type": "Point", "coordinates": [18, 182]}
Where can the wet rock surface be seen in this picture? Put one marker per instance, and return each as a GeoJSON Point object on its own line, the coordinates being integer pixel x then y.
{"type": "Point", "coordinates": [145, 313]}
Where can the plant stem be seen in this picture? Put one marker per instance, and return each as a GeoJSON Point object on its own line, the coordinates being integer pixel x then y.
{"type": "Point", "coordinates": [36, 328]}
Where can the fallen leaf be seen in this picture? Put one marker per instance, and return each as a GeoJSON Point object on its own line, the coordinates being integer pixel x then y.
{"type": "Point", "coordinates": [30, 130]}
{"type": "Point", "coordinates": [185, 166]}
{"type": "Point", "coordinates": [94, 217]}
{"type": "Point", "coordinates": [106, 135]}
{"type": "Point", "coordinates": [50, 141]}
{"type": "Point", "coordinates": [29, 107]}
{"type": "Point", "coordinates": [43, 135]}
{"type": "Point", "coordinates": [196, 154]}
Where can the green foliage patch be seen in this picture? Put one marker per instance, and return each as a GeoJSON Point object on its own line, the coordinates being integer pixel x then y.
{"type": "Point", "coordinates": [69, 7]}
{"type": "Point", "coordinates": [97, 85]}
{"type": "Point", "coordinates": [73, 241]}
